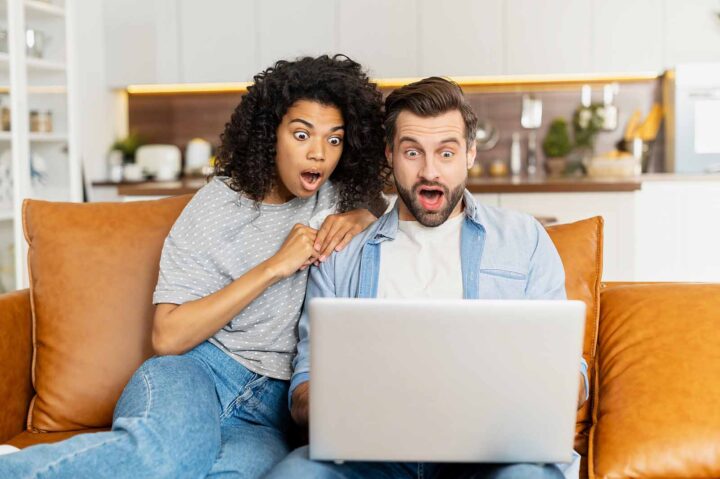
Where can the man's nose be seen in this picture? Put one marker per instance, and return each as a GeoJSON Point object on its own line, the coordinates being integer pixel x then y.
{"type": "Point", "coordinates": [429, 170]}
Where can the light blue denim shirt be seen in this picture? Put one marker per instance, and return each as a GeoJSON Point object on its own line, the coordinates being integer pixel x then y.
{"type": "Point", "coordinates": [504, 255]}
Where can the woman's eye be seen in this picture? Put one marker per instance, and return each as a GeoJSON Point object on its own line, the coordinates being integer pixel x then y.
{"type": "Point", "coordinates": [335, 140]}
{"type": "Point", "coordinates": [301, 135]}
{"type": "Point", "coordinates": [447, 154]}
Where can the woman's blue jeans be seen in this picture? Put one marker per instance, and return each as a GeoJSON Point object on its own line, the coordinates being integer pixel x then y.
{"type": "Point", "coordinates": [190, 416]}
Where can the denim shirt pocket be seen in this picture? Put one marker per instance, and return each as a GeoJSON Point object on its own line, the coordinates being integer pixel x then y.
{"type": "Point", "coordinates": [502, 283]}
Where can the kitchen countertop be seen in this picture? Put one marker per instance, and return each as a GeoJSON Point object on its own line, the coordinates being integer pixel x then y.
{"type": "Point", "coordinates": [475, 185]}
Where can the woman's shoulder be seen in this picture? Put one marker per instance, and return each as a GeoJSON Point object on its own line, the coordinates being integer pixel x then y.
{"type": "Point", "coordinates": [214, 199]}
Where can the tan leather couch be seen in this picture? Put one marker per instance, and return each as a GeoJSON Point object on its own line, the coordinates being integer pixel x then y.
{"type": "Point", "coordinates": [69, 344]}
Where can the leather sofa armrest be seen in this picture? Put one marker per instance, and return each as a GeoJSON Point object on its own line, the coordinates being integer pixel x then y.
{"type": "Point", "coordinates": [16, 390]}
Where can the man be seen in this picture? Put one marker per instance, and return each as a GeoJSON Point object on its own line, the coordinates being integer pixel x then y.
{"type": "Point", "coordinates": [437, 242]}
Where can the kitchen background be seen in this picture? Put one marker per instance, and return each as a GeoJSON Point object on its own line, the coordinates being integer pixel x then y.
{"type": "Point", "coordinates": [636, 84]}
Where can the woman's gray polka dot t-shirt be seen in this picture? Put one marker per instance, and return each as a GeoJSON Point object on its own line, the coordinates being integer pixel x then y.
{"type": "Point", "coordinates": [221, 235]}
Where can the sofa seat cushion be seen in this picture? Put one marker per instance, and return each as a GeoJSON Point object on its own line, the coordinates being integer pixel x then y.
{"type": "Point", "coordinates": [29, 438]}
{"type": "Point", "coordinates": [657, 395]}
{"type": "Point", "coordinates": [92, 270]}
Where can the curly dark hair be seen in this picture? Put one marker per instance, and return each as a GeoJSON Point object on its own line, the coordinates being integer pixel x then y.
{"type": "Point", "coordinates": [248, 144]}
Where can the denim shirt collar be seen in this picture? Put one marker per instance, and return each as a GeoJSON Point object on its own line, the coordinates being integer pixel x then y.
{"type": "Point", "coordinates": [472, 243]}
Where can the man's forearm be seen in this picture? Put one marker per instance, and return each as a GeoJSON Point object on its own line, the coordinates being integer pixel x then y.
{"type": "Point", "coordinates": [300, 402]}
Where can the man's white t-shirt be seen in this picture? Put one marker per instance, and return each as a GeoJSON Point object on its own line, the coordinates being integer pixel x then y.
{"type": "Point", "coordinates": [422, 261]}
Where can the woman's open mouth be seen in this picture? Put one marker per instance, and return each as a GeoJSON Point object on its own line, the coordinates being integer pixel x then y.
{"type": "Point", "coordinates": [431, 198]}
{"type": "Point", "coordinates": [310, 179]}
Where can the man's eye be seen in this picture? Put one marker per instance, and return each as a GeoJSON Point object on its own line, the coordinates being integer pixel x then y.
{"type": "Point", "coordinates": [447, 154]}
{"type": "Point", "coordinates": [411, 153]}
{"type": "Point", "coordinates": [335, 140]}
{"type": "Point", "coordinates": [301, 135]}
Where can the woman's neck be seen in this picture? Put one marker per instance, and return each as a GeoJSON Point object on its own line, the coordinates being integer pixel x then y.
{"type": "Point", "coordinates": [278, 195]}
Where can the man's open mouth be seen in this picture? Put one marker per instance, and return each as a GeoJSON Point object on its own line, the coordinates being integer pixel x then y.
{"type": "Point", "coordinates": [310, 179]}
{"type": "Point", "coordinates": [431, 197]}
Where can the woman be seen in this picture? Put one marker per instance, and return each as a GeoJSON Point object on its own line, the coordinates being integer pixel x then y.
{"type": "Point", "coordinates": [300, 160]}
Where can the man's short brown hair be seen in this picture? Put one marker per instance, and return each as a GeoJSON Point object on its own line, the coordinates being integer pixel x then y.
{"type": "Point", "coordinates": [429, 97]}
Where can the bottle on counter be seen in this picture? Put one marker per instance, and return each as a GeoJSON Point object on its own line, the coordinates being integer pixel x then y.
{"type": "Point", "coordinates": [515, 155]}
{"type": "Point", "coordinates": [532, 154]}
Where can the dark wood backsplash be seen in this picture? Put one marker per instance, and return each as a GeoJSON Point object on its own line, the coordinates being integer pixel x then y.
{"type": "Point", "coordinates": [177, 118]}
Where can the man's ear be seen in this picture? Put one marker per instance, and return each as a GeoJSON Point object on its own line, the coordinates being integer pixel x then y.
{"type": "Point", "coordinates": [472, 152]}
{"type": "Point", "coordinates": [388, 154]}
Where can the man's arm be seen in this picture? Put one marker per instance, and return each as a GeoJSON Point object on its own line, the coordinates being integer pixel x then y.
{"type": "Point", "coordinates": [321, 284]}
{"type": "Point", "coordinates": [546, 280]}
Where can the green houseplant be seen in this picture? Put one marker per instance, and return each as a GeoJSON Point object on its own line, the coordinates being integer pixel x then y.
{"type": "Point", "coordinates": [556, 146]}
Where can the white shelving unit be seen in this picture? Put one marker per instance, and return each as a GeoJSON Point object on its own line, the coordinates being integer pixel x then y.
{"type": "Point", "coordinates": [35, 164]}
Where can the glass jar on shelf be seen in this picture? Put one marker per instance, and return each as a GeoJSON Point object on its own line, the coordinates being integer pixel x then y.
{"type": "Point", "coordinates": [41, 121]}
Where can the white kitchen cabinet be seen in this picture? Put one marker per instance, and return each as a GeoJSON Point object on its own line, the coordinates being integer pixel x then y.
{"type": "Point", "coordinates": [218, 41]}
{"type": "Point", "coordinates": [551, 36]}
{"type": "Point", "coordinates": [130, 41]}
{"type": "Point", "coordinates": [381, 35]}
{"type": "Point", "coordinates": [616, 208]}
{"type": "Point", "coordinates": [627, 35]}
{"type": "Point", "coordinates": [460, 37]}
{"type": "Point", "coordinates": [299, 28]}
{"type": "Point", "coordinates": [692, 31]}
{"type": "Point", "coordinates": [678, 231]}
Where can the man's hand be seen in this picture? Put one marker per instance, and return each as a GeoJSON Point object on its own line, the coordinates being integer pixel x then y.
{"type": "Point", "coordinates": [337, 230]}
{"type": "Point", "coordinates": [300, 401]}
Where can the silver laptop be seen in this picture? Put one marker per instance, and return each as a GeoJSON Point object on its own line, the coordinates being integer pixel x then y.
{"type": "Point", "coordinates": [444, 381]}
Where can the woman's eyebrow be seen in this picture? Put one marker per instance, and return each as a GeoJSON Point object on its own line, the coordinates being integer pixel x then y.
{"type": "Point", "coordinates": [304, 122]}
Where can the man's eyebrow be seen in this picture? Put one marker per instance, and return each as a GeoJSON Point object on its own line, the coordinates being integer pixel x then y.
{"type": "Point", "coordinates": [408, 138]}
{"type": "Point", "coordinates": [336, 128]}
{"type": "Point", "coordinates": [450, 140]}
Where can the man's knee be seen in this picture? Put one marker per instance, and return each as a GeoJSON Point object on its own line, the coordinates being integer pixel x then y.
{"type": "Point", "coordinates": [298, 464]}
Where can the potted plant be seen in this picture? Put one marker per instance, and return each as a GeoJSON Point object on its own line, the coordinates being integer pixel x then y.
{"type": "Point", "coordinates": [556, 146]}
{"type": "Point", "coordinates": [128, 146]}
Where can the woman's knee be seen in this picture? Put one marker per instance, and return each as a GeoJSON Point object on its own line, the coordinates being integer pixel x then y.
{"type": "Point", "coordinates": [171, 411]}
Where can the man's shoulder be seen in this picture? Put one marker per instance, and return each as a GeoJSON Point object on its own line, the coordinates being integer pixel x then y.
{"type": "Point", "coordinates": [505, 222]}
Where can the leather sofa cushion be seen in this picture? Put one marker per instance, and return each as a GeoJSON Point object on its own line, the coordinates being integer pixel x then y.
{"type": "Point", "coordinates": [92, 272]}
{"type": "Point", "coordinates": [657, 411]}
{"type": "Point", "coordinates": [580, 247]}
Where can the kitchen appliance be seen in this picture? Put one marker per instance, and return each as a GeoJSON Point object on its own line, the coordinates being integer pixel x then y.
{"type": "Point", "coordinates": [163, 159]}
{"type": "Point", "coordinates": [197, 156]}
{"type": "Point", "coordinates": [692, 142]}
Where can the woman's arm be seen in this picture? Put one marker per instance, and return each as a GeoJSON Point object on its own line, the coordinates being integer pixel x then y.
{"type": "Point", "coordinates": [179, 328]}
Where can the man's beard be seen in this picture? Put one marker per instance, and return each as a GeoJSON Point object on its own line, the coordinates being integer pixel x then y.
{"type": "Point", "coordinates": [430, 218]}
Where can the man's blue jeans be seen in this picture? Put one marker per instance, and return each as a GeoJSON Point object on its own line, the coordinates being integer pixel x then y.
{"type": "Point", "coordinates": [196, 415]}
{"type": "Point", "coordinates": [298, 465]}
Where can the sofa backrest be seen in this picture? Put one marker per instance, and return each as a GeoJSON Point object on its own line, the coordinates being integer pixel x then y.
{"type": "Point", "coordinates": [580, 246]}
{"type": "Point", "coordinates": [92, 272]}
